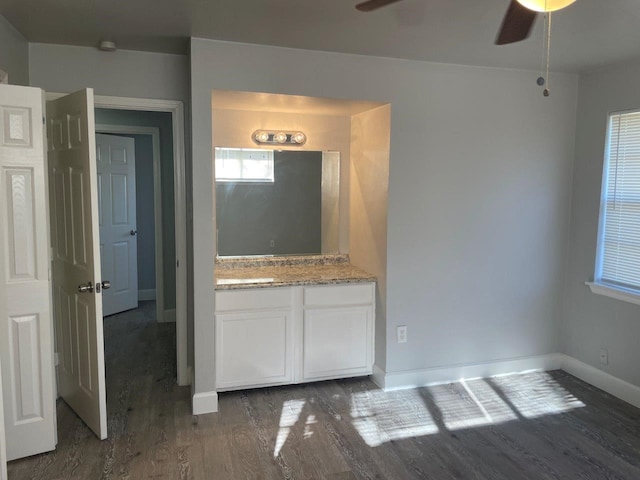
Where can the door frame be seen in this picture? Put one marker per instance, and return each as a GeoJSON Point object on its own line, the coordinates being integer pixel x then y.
{"type": "Point", "coordinates": [154, 132]}
{"type": "Point", "coordinates": [176, 108]}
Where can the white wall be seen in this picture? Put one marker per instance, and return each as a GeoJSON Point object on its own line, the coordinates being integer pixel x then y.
{"type": "Point", "coordinates": [478, 213]}
{"type": "Point", "coordinates": [369, 187]}
{"type": "Point", "coordinates": [124, 73]}
{"type": "Point", "coordinates": [592, 321]}
{"type": "Point", "coordinates": [14, 54]}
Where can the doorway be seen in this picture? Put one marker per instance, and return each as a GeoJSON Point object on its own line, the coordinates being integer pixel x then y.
{"type": "Point", "coordinates": [146, 229]}
{"type": "Point", "coordinates": [176, 110]}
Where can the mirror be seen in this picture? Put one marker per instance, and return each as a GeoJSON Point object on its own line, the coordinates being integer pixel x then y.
{"type": "Point", "coordinates": [274, 202]}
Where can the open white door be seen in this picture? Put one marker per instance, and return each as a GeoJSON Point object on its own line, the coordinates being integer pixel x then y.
{"type": "Point", "coordinates": [3, 443]}
{"type": "Point", "coordinates": [77, 283]}
{"type": "Point", "coordinates": [118, 233]}
{"type": "Point", "coordinates": [26, 333]}
{"type": "Point", "coordinates": [3, 315]}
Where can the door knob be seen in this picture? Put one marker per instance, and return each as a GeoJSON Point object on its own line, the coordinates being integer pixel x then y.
{"type": "Point", "coordinates": [133, 233]}
{"type": "Point", "coordinates": [106, 284]}
{"type": "Point", "coordinates": [85, 287]}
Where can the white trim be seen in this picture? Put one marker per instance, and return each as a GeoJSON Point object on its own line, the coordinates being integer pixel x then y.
{"type": "Point", "coordinates": [619, 293]}
{"type": "Point", "coordinates": [147, 295]}
{"type": "Point", "coordinates": [169, 316]}
{"type": "Point", "coordinates": [157, 203]}
{"type": "Point", "coordinates": [205, 402]}
{"type": "Point", "coordinates": [378, 376]}
{"type": "Point", "coordinates": [190, 374]}
{"type": "Point", "coordinates": [176, 108]}
{"type": "Point", "coordinates": [613, 385]}
{"type": "Point", "coordinates": [449, 374]}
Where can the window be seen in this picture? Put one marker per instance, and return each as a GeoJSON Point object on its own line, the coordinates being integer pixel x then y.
{"type": "Point", "coordinates": [244, 165]}
{"type": "Point", "coordinates": [618, 255]}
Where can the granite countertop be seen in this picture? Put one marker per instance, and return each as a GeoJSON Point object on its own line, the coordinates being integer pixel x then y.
{"type": "Point", "coordinates": [287, 271]}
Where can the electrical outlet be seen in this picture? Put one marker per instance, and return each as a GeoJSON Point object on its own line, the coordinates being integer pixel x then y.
{"type": "Point", "coordinates": [272, 243]}
{"type": "Point", "coordinates": [604, 356]}
{"type": "Point", "coordinates": [401, 334]}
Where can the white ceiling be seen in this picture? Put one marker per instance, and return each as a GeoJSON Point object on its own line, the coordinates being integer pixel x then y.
{"type": "Point", "coordinates": [585, 36]}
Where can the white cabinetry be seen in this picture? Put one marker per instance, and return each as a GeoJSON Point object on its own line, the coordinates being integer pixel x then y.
{"type": "Point", "coordinates": [276, 336]}
{"type": "Point", "coordinates": [338, 331]}
{"type": "Point", "coordinates": [254, 338]}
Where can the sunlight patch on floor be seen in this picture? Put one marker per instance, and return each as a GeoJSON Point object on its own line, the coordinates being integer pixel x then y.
{"type": "Point", "coordinates": [380, 417]}
{"type": "Point", "coordinates": [536, 396]}
{"type": "Point", "coordinates": [470, 404]}
{"type": "Point", "coordinates": [291, 410]}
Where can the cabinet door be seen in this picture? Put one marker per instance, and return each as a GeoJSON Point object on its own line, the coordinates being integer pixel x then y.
{"type": "Point", "coordinates": [338, 342]}
{"type": "Point", "coordinates": [254, 348]}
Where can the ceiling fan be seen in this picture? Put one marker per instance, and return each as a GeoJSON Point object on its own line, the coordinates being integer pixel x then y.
{"type": "Point", "coordinates": [517, 22]}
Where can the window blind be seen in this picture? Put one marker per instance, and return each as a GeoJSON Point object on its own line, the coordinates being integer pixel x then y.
{"type": "Point", "coordinates": [619, 233]}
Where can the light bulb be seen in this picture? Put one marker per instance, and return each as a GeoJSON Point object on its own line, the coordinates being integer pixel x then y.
{"type": "Point", "coordinates": [261, 136]}
{"type": "Point", "coordinates": [280, 137]}
{"type": "Point", "coordinates": [298, 137]}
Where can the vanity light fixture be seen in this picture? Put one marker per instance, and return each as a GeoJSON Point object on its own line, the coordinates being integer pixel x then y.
{"type": "Point", "coordinates": [267, 137]}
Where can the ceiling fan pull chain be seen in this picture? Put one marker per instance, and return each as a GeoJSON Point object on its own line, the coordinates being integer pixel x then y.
{"type": "Point", "coordinates": [545, 92]}
{"type": "Point", "coordinates": [541, 79]}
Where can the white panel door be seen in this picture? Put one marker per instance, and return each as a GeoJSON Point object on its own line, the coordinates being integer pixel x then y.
{"type": "Point", "coordinates": [3, 314]}
{"type": "Point", "coordinates": [118, 234]}
{"type": "Point", "coordinates": [26, 335]}
{"type": "Point", "coordinates": [3, 448]}
{"type": "Point", "coordinates": [77, 298]}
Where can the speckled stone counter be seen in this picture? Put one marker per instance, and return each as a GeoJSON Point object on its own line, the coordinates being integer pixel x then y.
{"type": "Point", "coordinates": [265, 272]}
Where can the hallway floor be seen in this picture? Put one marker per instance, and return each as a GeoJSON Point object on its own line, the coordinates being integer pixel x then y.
{"type": "Point", "coordinates": [534, 426]}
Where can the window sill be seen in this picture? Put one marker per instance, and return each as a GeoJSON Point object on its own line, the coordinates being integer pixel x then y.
{"type": "Point", "coordinates": [618, 293]}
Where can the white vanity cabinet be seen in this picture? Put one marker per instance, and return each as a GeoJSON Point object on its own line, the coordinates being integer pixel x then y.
{"type": "Point", "coordinates": [285, 335]}
{"type": "Point", "coordinates": [338, 322]}
{"type": "Point", "coordinates": [254, 338]}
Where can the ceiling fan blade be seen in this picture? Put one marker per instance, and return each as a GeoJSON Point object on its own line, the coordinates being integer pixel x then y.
{"type": "Point", "coordinates": [372, 5]}
{"type": "Point", "coordinates": [516, 25]}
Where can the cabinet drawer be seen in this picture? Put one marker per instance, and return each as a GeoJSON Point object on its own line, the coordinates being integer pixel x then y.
{"type": "Point", "coordinates": [253, 299]}
{"type": "Point", "coordinates": [335, 295]}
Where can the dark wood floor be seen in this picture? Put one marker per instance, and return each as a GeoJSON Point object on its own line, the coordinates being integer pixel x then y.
{"type": "Point", "coordinates": [533, 426]}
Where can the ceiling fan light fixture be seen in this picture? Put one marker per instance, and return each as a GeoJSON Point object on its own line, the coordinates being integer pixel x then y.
{"type": "Point", "coordinates": [545, 5]}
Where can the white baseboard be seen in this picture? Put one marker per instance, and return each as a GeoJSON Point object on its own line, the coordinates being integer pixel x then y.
{"type": "Point", "coordinates": [439, 375]}
{"type": "Point", "coordinates": [613, 385]}
{"type": "Point", "coordinates": [146, 295]}
{"type": "Point", "coordinates": [206, 402]}
{"type": "Point", "coordinates": [168, 316]}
